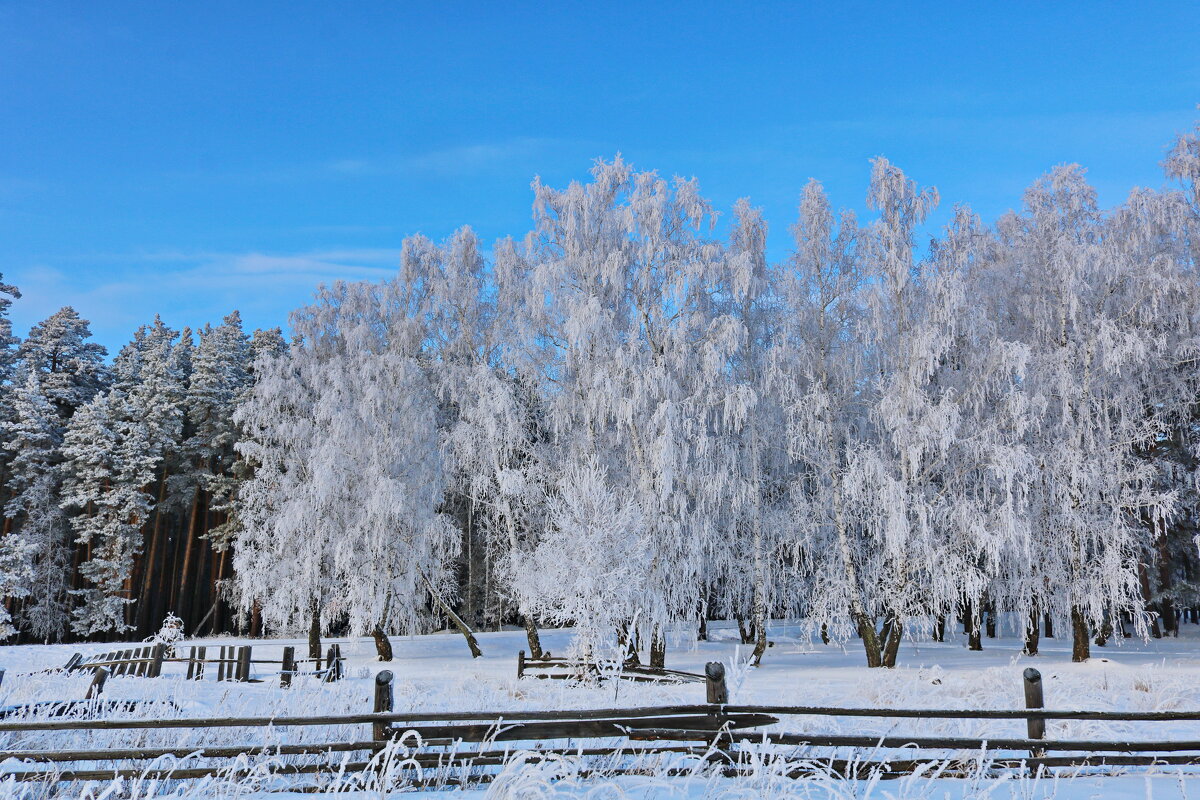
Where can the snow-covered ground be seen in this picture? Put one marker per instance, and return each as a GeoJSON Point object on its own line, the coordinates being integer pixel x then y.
{"type": "Point", "coordinates": [435, 672]}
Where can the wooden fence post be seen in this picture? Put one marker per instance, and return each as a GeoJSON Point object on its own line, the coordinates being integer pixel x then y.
{"type": "Point", "coordinates": [1, 676]}
{"type": "Point", "coordinates": [243, 665]}
{"type": "Point", "coordinates": [201, 653]}
{"type": "Point", "coordinates": [1035, 726]}
{"type": "Point", "coordinates": [335, 662]}
{"type": "Point", "coordinates": [287, 666]}
{"type": "Point", "coordinates": [520, 663]}
{"type": "Point", "coordinates": [329, 666]}
{"type": "Point", "coordinates": [160, 652]}
{"type": "Point", "coordinates": [98, 679]}
{"type": "Point", "coordinates": [383, 704]}
{"type": "Point", "coordinates": [714, 680]}
{"type": "Point", "coordinates": [73, 662]}
{"type": "Point", "coordinates": [221, 664]}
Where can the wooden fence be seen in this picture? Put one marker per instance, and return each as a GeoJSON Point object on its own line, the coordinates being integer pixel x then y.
{"type": "Point", "coordinates": [232, 663]}
{"type": "Point", "coordinates": [717, 732]}
{"type": "Point", "coordinates": [566, 669]}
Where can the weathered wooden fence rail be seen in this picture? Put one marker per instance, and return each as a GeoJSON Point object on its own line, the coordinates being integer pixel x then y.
{"type": "Point", "coordinates": [232, 663]}
{"type": "Point", "coordinates": [716, 731]}
{"type": "Point", "coordinates": [567, 669]}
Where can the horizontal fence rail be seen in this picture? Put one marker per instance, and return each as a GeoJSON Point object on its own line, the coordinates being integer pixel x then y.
{"type": "Point", "coordinates": [568, 669]}
{"type": "Point", "coordinates": [716, 732]}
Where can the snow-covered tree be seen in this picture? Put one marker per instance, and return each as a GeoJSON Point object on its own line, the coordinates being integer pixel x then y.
{"type": "Point", "coordinates": [590, 570]}
{"type": "Point", "coordinates": [38, 548]}
{"type": "Point", "coordinates": [341, 517]}
{"type": "Point", "coordinates": [116, 449]}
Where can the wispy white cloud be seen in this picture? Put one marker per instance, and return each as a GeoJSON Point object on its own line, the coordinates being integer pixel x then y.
{"type": "Point", "coordinates": [118, 292]}
{"type": "Point", "coordinates": [456, 160]}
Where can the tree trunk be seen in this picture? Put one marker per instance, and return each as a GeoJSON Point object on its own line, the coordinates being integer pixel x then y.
{"type": "Point", "coordinates": [218, 623]}
{"type": "Point", "coordinates": [1048, 625]}
{"type": "Point", "coordinates": [184, 605]}
{"type": "Point", "coordinates": [467, 633]}
{"type": "Point", "coordinates": [974, 640]}
{"type": "Point", "coordinates": [939, 628]}
{"type": "Point", "coordinates": [1165, 579]}
{"type": "Point", "coordinates": [532, 637]}
{"type": "Point", "coordinates": [627, 645]}
{"type": "Point", "coordinates": [702, 632]}
{"type": "Point", "coordinates": [383, 645]}
{"type": "Point", "coordinates": [991, 620]}
{"type": "Point", "coordinates": [314, 630]}
{"type": "Point", "coordinates": [891, 646]}
{"type": "Point", "coordinates": [150, 573]}
{"type": "Point", "coordinates": [745, 631]}
{"type": "Point", "coordinates": [866, 631]}
{"type": "Point", "coordinates": [1032, 633]}
{"type": "Point", "coordinates": [658, 648]}
{"type": "Point", "coordinates": [824, 633]}
{"type": "Point", "coordinates": [1081, 646]}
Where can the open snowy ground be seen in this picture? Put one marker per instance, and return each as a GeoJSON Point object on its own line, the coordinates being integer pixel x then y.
{"type": "Point", "coordinates": [435, 672]}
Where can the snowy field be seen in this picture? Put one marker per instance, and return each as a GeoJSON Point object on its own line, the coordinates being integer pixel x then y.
{"type": "Point", "coordinates": [435, 673]}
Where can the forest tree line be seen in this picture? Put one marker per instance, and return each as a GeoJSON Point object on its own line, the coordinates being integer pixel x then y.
{"type": "Point", "coordinates": [631, 420]}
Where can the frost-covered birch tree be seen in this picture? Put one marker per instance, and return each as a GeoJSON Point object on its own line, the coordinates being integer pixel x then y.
{"type": "Point", "coordinates": [341, 517]}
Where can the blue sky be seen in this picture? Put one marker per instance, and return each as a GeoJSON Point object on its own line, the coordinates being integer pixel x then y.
{"type": "Point", "coordinates": [191, 158]}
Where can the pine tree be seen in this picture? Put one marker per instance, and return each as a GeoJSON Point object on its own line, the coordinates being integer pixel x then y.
{"type": "Point", "coordinates": [38, 547]}
{"type": "Point", "coordinates": [116, 456]}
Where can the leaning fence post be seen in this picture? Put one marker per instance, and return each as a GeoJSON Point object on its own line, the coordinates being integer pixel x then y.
{"type": "Point", "coordinates": [383, 704]}
{"type": "Point", "coordinates": [287, 666]}
{"type": "Point", "coordinates": [520, 663]}
{"type": "Point", "coordinates": [1035, 726]}
{"type": "Point", "coordinates": [714, 680]}
{"type": "Point", "coordinates": [1, 676]}
{"type": "Point", "coordinates": [329, 662]}
{"type": "Point", "coordinates": [160, 651]}
{"type": "Point", "coordinates": [73, 662]}
{"type": "Point", "coordinates": [97, 686]}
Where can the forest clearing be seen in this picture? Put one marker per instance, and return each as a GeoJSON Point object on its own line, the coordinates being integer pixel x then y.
{"type": "Point", "coordinates": [429, 675]}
